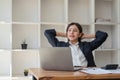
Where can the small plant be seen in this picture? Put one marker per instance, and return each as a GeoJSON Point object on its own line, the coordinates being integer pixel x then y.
{"type": "Point", "coordinates": [25, 72]}
{"type": "Point", "coordinates": [24, 44]}
{"type": "Point", "coordinates": [24, 41]}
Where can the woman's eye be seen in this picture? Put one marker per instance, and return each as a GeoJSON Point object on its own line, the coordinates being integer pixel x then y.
{"type": "Point", "coordinates": [74, 30]}
{"type": "Point", "coordinates": [69, 30]}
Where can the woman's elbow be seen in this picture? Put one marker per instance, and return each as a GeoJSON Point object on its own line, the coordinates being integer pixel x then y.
{"type": "Point", "coordinates": [105, 34]}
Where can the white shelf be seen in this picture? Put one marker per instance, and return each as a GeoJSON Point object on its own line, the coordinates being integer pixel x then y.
{"type": "Point", "coordinates": [31, 23]}
{"type": "Point", "coordinates": [2, 77]}
{"type": "Point", "coordinates": [105, 50]}
{"type": "Point", "coordinates": [51, 23]}
{"type": "Point", "coordinates": [25, 50]}
{"type": "Point", "coordinates": [105, 23]}
{"type": "Point", "coordinates": [21, 77]}
{"type": "Point", "coordinates": [4, 22]}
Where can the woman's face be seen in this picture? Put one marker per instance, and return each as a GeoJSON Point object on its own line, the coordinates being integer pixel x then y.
{"type": "Point", "coordinates": [73, 33]}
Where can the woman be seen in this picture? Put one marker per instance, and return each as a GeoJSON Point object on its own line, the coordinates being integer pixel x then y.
{"type": "Point", "coordinates": [81, 51]}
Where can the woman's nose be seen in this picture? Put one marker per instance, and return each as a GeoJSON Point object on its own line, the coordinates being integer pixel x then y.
{"type": "Point", "coordinates": [71, 31]}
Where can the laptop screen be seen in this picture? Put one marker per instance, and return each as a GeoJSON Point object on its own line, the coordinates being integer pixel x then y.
{"type": "Point", "coordinates": [56, 58]}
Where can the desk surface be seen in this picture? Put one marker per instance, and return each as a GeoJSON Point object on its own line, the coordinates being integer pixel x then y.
{"type": "Point", "coordinates": [40, 74]}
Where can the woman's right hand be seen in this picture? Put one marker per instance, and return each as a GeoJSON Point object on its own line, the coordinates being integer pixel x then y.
{"type": "Point", "coordinates": [61, 34]}
{"type": "Point", "coordinates": [87, 36]}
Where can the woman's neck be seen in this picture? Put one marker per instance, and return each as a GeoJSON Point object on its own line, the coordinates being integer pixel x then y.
{"type": "Point", "coordinates": [73, 42]}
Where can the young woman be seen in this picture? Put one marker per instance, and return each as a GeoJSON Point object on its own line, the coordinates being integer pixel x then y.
{"type": "Point", "coordinates": [81, 51]}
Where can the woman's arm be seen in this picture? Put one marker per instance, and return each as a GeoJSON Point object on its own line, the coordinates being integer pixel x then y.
{"type": "Point", "coordinates": [84, 36]}
{"type": "Point", "coordinates": [61, 34]}
{"type": "Point", "coordinates": [100, 37]}
{"type": "Point", "coordinates": [88, 36]}
{"type": "Point", "coordinates": [51, 37]}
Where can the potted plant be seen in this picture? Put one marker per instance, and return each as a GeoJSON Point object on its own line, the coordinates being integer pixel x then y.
{"type": "Point", "coordinates": [24, 44]}
{"type": "Point", "coordinates": [25, 72]}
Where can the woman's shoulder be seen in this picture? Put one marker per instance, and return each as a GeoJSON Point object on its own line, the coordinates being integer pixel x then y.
{"type": "Point", "coordinates": [82, 43]}
{"type": "Point", "coordinates": [63, 44]}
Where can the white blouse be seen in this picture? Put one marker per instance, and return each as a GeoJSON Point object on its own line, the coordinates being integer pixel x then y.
{"type": "Point", "coordinates": [77, 55]}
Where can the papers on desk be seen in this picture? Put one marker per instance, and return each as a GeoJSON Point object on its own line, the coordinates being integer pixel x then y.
{"type": "Point", "coordinates": [100, 71]}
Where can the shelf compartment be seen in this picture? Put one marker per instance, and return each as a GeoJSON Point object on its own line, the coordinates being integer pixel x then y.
{"type": "Point", "coordinates": [106, 11]}
{"type": "Point", "coordinates": [25, 10]}
{"type": "Point", "coordinates": [105, 57]}
{"type": "Point", "coordinates": [86, 29]}
{"type": "Point", "coordinates": [5, 61]}
{"type": "Point", "coordinates": [53, 11]}
{"type": "Point", "coordinates": [29, 32]}
{"type": "Point", "coordinates": [5, 36]}
{"type": "Point", "coordinates": [60, 28]}
{"type": "Point", "coordinates": [5, 11]}
{"type": "Point", "coordinates": [80, 11]}
{"type": "Point", "coordinates": [24, 60]}
{"type": "Point", "coordinates": [112, 39]}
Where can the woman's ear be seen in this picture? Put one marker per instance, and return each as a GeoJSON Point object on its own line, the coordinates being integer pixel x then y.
{"type": "Point", "coordinates": [81, 34]}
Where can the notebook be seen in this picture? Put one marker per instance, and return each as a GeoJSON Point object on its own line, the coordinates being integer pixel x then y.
{"type": "Point", "coordinates": [57, 58]}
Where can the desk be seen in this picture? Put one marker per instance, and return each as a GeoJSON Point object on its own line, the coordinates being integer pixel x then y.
{"type": "Point", "coordinates": [40, 74]}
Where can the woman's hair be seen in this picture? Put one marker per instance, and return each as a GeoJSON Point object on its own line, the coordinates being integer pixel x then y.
{"type": "Point", "coordinates": [78, 26]}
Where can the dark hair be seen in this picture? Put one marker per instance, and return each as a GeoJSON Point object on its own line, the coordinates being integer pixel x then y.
{"type": "Point", "coordinates": [78, 26]}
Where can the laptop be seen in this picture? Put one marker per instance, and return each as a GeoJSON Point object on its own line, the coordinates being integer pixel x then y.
{"type": "Point", "coordinates": [57, 58]}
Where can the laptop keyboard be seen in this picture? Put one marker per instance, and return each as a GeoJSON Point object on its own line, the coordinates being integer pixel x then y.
{"type": "Point", "coordinates": [78, 67]}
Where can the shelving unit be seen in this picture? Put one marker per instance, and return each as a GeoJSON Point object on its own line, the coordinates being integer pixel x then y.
{"type": "Point", "coordinates": [27, 19]}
